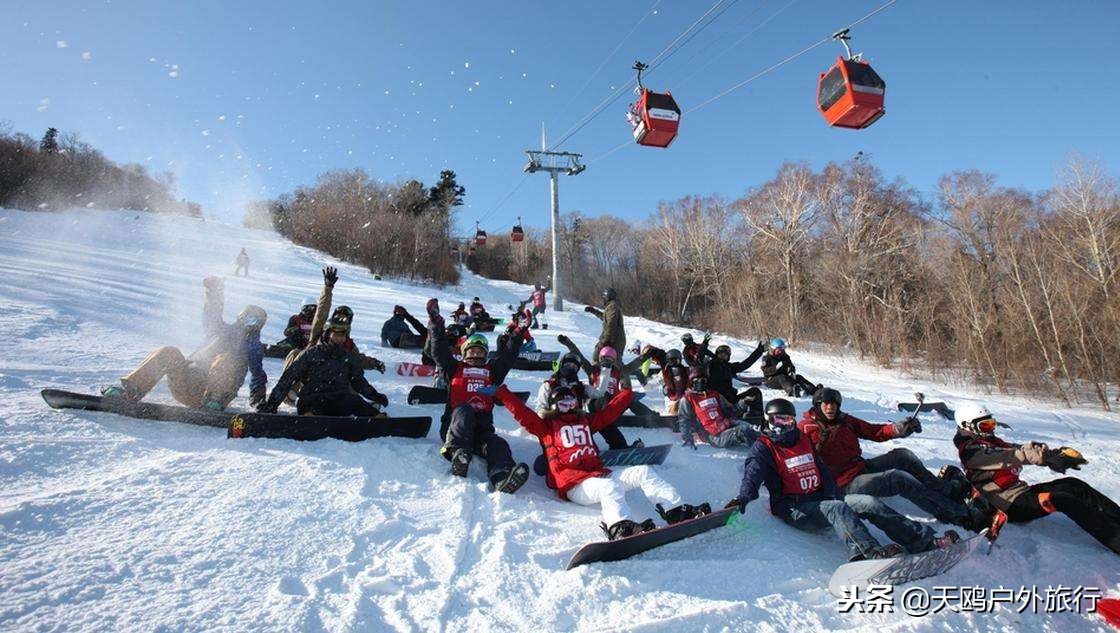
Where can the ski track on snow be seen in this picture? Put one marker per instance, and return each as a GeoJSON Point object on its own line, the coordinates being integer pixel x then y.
{"type": "Point", "coordinates": [108, 523]}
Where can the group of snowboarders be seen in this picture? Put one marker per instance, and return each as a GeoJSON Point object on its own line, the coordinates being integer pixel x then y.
{"type": "Point", "coordinates": [813, 469]}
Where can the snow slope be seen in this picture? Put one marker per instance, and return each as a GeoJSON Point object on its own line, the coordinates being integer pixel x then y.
{"type": "Point", "coordinates": [108, 523]}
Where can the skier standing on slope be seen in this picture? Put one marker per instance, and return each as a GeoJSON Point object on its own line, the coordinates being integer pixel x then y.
{"type": "Point", "coordinates": [242, 262]}
{"type": "Point", "coordinates": [539, 304]}
{"type": "Point", "coordinates": [804, 495]}
{"type": "Point", "coordinates": [467, 425]}
{"type": "Point", "coordinates": [211, 376]}
{"type": "Point", "coordinates": [577, 472]}
{"type": "Point", "coordinates": [779, 372]}
{"type": "Point", "coordinates": [992, 465]}
{"type": "Point", "coordinates": [706, 413]}
{"type": "Point", "coordinates": [835, 436]}
{"type": "Point", "coordinates": [332, 378]}
{"type": "Point", "coordinates": [614, 333]}
{"type": "Point", "coordinates": [592, 396]}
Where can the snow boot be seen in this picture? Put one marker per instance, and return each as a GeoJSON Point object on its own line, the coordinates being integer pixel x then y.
{"type": "Point", "coordinates": [961, 488]}
{"type": "Point", "coordinates": [621, 529]}
{"type": "Point", "coordinates": [121, 392]}
{"type": "Point", "coordinates": [460, 459]}
{"type": "Point", "coordinates": [890, 550]}
{"type": "Point", "coordinates": [947, 539]}
{"type": "Point", "coordinates": [509, 481]}
{"type": "Point", "coordinates": [638, 443]}
{"type": "Point", "coordinates": [683, 512]}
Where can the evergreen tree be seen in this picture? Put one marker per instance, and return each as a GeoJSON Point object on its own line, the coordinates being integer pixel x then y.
{"type": "Point", "coordinates": [49, 144]}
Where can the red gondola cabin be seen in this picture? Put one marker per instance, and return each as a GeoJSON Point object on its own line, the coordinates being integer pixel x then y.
{"type": "Point", "coordinates": [851, 94]}
{"type": "Point", "coordinates": [655, 118]}
{"type": "Point", "coordinates": [517, 234]}
{"type": "Point", "coordinates": [480, 237]}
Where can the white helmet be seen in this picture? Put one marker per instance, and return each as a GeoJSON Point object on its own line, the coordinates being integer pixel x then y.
{"type": "Point", "coordinates": [968, 415]}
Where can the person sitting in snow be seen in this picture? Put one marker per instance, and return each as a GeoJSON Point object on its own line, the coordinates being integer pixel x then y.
{"type": "Point", "coordinates": [297, 334]}
{"type": "Point", "coordinates": [779, 372]}
{"type": "Point", "coordinates": [706, 413]}
{"type": "Point", "coordinates": [577, 473]}
{"type": "Point", "coordinates": [608, 376]}
{"type": "Point", "coordinates": [804, 495]}
{"type": "Point", "coordinates": [567, 375]}
{"type": "Point", "coordinates": [396, 333]}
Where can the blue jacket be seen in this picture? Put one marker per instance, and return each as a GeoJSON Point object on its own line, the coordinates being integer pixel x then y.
{"type": "Point", "coordinates": [760, 470]}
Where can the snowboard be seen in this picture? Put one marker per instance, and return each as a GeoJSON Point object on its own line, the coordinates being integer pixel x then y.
{"type": "Point", "coordinates": [415, 370]}
{"type": "Point", "coordinates": [906, 568]}
{"type": "Point", "coordinates": [938, 407]}
{"type": "Point", "coordinates": [619, 458]}
{"type": "Point", "coordinates": [754, 381]}
{"type": "Point", "coordinates": [605, 551]}
{"type": "Point", "coordinates": [648, 421]}
{"type": "Point", "coordinates": [247, 424]}
{"type": "Point", "coordinates": [434, 395]}
{"type": "Point", "coordinates": [542, 357]}
{"type": "Point", "coordinates": [276, 350]}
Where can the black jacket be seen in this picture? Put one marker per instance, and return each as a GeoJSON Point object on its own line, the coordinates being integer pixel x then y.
{"type": "Point", "coordinates": [720, 373]}
{"type": "Point", "coordinates": [774, 365]}
{"type": "Point", "coordinates": [324, 369]}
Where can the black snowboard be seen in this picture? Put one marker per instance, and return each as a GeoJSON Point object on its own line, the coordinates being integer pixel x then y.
{"type": "Point", "coordinates": [619, 457]}
{"type": "Point", "coordinates": [754, 381]}
{"type": "Point", "coordinates": [939, 407]}
{"type": "Point", "coordinates": [648, 421]}
{"type": "Point", "coordinates": [536, 357]}
{"type": "Point", "coordinates": [604, 551]}
{"type": "Point", "coordinates": [275, 425]}
{"type": "Point", "coordinates": [276, 350]}
{"type": "Point", "coordinates": [435, 395]}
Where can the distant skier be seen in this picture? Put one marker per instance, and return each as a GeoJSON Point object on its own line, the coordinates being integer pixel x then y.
{"type": "Point", "coordinates": [396, 333]}
{"type": "Point", "coordinates": [242, 263]}
{"type": "Point", "coordinates": [332, 378]}
{"type": "Point", "coordinates": [614, 333]}
{"type": "Point", "coordinates": [804, 495]}
{"type": "Point", "coordinates": [835, 436]}
{"type": "Point", "coordinates": [467, 424]}
{"type": "Point", "coordinates": [478, 311]}
{"type": "Point", "coordinates": [539, 303]}
{"type": "Point", "coordinates": [779, 372]}
{"type": "Point", "coordinates": [992, 465]}
{"type": "Point", "coordinates": [211, 376]}
{"type": "Point", "coordinates": [706, 413]}
{"type": "Point", "coordinates": [577, 473]}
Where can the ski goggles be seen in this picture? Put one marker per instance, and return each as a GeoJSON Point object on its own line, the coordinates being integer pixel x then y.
{"type": "Point", "coordinates": [781, 419]}
{"type": "Point", "coordinates": [987, 425]}
{"type": "Point", "coordinates": [474, 352]}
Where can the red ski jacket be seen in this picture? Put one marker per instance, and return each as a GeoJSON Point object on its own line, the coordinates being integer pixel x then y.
{"type": "Point", "coordinates": [571, 453]}
{"type": "Point", "coordinates": [837, 442]}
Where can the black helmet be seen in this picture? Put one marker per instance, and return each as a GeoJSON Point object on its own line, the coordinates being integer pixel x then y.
{"type": "Point", "coordinates": [536, 286]}
{"type": "Point", "coordinates": [723, 348]}
{"type": "Point", "coordinates": [609, 294]}
{"type": "Point", "coordinates": [673, 354]}
{"type": "Point", "coordinates": [827, 394]}
{"type": "Point", "coordinates": [780, 406]}
{"type": "Point", "coordinates": [339, 324]}
{"type": "Point", "coordinates": [343, 314]}
{"type": "Point", "coordinates": [699, 384]}
{"type": "Point", "coordinates": [687, 339]}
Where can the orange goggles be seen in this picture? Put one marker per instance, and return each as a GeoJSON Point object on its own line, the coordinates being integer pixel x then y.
{"type": "Point", "coordinates": [987, 425]}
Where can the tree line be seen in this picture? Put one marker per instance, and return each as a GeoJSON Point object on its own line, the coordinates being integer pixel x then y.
{"type": "Point", "coordinates": [1010, 289]}
{"type": "Point", "coordinates": [61, 172]}
{"type": "Point", "coordinates": [400, 229]}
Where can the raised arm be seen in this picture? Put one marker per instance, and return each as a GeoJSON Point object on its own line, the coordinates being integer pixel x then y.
{"type": "Point", "coordinates": [586, 366]}
{"type": "Point", "coordinates": [521, 412]}
{"type": "Point", "coordinates": [323, 307]}
{"type": "Point", "coordinates": [607, 415]}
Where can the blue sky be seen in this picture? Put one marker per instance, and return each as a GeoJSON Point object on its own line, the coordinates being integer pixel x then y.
{"type": "Point", "coordinates": [248, 99]}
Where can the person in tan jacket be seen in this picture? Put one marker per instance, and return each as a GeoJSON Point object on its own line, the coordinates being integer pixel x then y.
{"type": "Point", "coordinates": [210, 377]}
{"type": "Point", "coordinates": [993, 465]}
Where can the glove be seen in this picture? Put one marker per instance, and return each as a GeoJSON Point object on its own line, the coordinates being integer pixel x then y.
{"type": "Point", "coordinates": [213, 283]}
{"type": "Point", "coordinates": [432, 307]}
{"type": "Point", "coordinates": [707, 338]}
{"type": "Point", "coordinates": [564, 340]}
{"type": "Point", "coordinates": [378, 365]}
{"type": "Point", "coordinates": [1061, 459]}
{"type": "Point", "coordinates": [904, 428]}
{"type": "Point", "coordinates": [737, 503]}
{"type": "Point", "coordinates": [488, 390]}
{"type": "Point", "coordinates": [760, 347]}
{"type": "Point", "coordinates": [588, 309]}
{"type": "Point", "coordinates": [330, 276]}
{"type": "Point", "coordinates": [266, 407]}
{"type": "Point", "coordinates": [257, 398]}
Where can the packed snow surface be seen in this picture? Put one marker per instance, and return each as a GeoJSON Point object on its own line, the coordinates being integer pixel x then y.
{"type": "Point", "coordinates": [110, 523]}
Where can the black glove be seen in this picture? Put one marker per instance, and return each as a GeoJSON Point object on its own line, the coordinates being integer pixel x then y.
{"type": "Point", "coordinates": [378, 365]}
{"type": "Point", "coordinates": [1061, 459]}
{"type": "Point", "coordinates": [760, 347]}
{"type": "Point", "coordinates": [564, 340]}
{"type": "Point", "coordinates": [588, 309]}
{"type": "Point", "coordinates": [381, 399]}
{"type": "Point", "coordinates": [330, 276]}
{"type": "Point", "coordinates": [266, 407]}
{"type": "Point", "coordinates": [257, 398]}
{"type": "Point", "coordinates": [737, 503]}
{"type": "Point", "coordinates": [707, 339]}
{"type": "Point", "coordinates": [904, 428]}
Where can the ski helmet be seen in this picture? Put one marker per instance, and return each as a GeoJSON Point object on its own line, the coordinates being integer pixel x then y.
{"type": "Point", "coordinates": [724, 349]}
{"type": "Point", "coordinates": [308, 302]}
{"type": "Point", "coordinates": [475, 340]}
{"type": "Point", "coordinates": [564, 400]}
{"type": "Point", "coordinates": [462, 306]}
{"type": "Point", "coordinates": [337, 324]}
{"type": "Point", "coordinates": [673, 354]}
{"type": "Point", "coordinates": [568, 366]}
{"type": "Point", "coordinates": [536, 286]}
{"type": "Point", "coordinates": [699, 383]}
{"type": "Point", "coordinates": [608, 352]}
{"type": "Point", "coordinates": [687, 339]}
{"type": "Point", "coordinates": [609, 294]}
{"type": "Point", "coordinates": [777, 343]}
{"type": "Point", "coordinates": [252, 317]}
{"type": "Point", "coordinates": [780, 414]}
{"type": "Point", "coordinates": [969, 417]}
{"type": "Point", "coordinates": [476, 300]}
{"type": "Point", "coordinates": [827, 394]}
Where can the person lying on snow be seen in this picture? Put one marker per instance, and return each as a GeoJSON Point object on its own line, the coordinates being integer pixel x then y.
{"type": "Point", "coordinates": [332, 378]}
{"type": "Point", "coordinates": [467, 424]}
{"type": "Point", "coordinates": [567, 376]}
{"type": "Point", "coordinates": [835, 436]}
{"type": "Point", "coordinates": [210, 377]}
{"type": "Point", "coordinates": [706, 413]}
{"type": "Point", "coordinates": [992, 466]}
{"type": "Point", "coordinates": [608, 376]}
{"type": "Point", "coordinates": [779, 372]}
{"type": "Point", "coordinates": [396, 333]}
{"type": "Point", "coordinates": [804, 495]}
{"type": "Point", "coordinates": [577, 473]}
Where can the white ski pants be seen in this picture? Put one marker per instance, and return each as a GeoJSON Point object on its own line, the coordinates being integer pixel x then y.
{"type": "Point", "coordinates": [610, 492]}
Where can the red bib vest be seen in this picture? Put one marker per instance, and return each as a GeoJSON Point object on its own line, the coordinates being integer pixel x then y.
{"type": "Point", "coordinates": [538, 298]}
{"type": "Point", "coordinates": [797, 468]}
{"type": "Point", "coordinates": [464, 388]}
{"type": "Point", "coordinates": [708, 412]}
